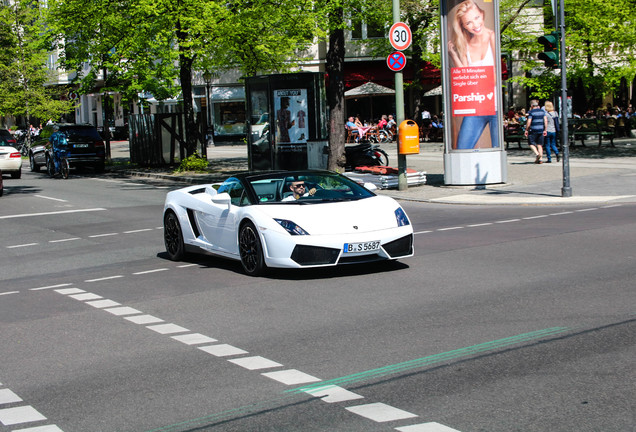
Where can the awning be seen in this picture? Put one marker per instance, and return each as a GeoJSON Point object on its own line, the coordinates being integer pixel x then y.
{"type": "Point", "coordinates": [437, 91]}
{"type": "Point", "coordinates": [369, 89]}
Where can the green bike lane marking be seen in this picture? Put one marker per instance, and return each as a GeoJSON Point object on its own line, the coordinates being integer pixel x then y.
{"type": "Point", "coordinates": [273, 404]}
{"type": "Point", "coordinates": [429, 360]}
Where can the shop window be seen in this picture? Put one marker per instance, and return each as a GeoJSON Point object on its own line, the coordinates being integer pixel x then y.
{"type": "Point", "coordinates": [229, 118]}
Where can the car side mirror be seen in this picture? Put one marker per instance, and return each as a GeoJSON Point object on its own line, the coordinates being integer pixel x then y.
{"type": "Point", "coordinates": [370, 186]}
{"type": "Point", "coordinates": [222, 199]}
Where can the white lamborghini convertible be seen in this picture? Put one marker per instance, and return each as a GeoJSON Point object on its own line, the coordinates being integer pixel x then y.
{"type": "Point", "coordinates": [290, 219]}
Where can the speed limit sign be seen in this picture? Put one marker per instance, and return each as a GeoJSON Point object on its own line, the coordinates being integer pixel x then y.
{"type": "Point", "coordinates": [400, 36]}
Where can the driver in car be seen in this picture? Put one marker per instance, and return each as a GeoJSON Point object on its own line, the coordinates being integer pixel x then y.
{"type": "Point", "coordinates": [298, 190]}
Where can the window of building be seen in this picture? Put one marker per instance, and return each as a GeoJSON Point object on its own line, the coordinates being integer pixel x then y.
{"type": "Point", "coordinates": [229, 118]}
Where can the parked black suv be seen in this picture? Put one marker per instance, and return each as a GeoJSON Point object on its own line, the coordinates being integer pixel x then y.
{"type": "Point", "coordinates": [85, 146]}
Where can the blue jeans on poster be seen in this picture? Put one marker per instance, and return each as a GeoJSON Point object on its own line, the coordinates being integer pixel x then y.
{"type": "Point", "coordinates": [472, 128]}
{"type": "Point", "coordinates": [550, 144]}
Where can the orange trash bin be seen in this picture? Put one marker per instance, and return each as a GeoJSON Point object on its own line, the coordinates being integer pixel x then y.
{"type": "Point", "coordinates": [408, 137]}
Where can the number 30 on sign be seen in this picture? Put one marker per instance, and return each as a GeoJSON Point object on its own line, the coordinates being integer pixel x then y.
{"type": "Point", "coordinates": [400, 36]}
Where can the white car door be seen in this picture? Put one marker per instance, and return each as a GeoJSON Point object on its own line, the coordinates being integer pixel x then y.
{"type": "Point", "coordinates": [219, 222]}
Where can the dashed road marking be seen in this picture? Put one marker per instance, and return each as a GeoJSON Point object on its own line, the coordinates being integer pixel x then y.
{"type": "Point", "coordinates": [291, 377]}
{"type": "Point", "coordinates": [380, 412]}
{"type": "Point", "coordinates": [151, 271]}
{"type": "Point", "coordinates": [255, 363]}
{"type": "Point", "coordinates": [104, 278]}
{"type": "Point", "coordinates": [426, 427]}
{"type": "Point", "coordinates": [223, 350]}
{"type": "Point", "coordinates": [9, 292]}
{"type": "Point", "coordinates": [167, 328]}
{"type": "Point", "coordinates": [18, 415]}
{"type": "Point", "coordinates": [193, 338]}
{"type": "Point", "coordinates": [65, 240]}
{"type": "Point", "coordinates": [50, 287]}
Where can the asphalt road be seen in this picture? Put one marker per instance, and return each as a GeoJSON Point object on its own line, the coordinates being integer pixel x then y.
{"type": "Point", "coordinates": [507, 319]}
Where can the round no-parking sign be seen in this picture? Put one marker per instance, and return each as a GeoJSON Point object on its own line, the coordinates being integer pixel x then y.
{"type": "Point", "coordinates": [396, 61]}
{"type": "Point", "coordinates": [400, 36]}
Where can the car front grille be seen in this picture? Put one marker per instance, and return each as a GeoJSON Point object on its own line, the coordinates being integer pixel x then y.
{"type": "Point", "coordinates": [314, 255]}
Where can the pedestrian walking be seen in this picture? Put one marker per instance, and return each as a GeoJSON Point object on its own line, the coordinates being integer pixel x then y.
{"type": "Point", "coordinates": [552, 129]}
{"type": "Point", "coordinates": [536, 129]}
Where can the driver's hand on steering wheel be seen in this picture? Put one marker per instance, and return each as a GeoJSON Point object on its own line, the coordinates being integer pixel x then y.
{"type": "Point", "coordinates": [312, 191]}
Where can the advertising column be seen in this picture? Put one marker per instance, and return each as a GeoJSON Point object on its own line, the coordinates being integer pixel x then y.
{"type": "Point", "coordinates": [471, 69]}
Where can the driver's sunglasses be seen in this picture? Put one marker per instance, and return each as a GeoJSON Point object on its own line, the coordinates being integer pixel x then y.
{"type": "Point", "coordinates": [299, 185]}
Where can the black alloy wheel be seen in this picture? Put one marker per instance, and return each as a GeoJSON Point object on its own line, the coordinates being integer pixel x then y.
{"type": "Point", "coordinates": [251, 250]}
{"type": "Point", "coordinates": [173, 237]}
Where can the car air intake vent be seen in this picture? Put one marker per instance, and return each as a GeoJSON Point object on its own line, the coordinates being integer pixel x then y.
{"type": "Point", "coordinates": [314, 255]}
{"type": "Point", "coordinates": [400, 247]}
{"type": "Point", "coordinates": [354, 259]}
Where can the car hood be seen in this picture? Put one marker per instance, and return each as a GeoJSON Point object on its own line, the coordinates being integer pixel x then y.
{"type": "Point", "coordinates": [365, 215]}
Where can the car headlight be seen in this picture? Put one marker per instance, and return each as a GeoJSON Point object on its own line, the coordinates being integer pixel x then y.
{"type": "Point", "coordinates": [291, 227]}
{"type": "Point", "coordinates": [400, 216]}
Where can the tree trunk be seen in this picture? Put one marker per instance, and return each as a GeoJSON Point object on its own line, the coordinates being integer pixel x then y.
{"type": "Point", "coordinates": [185, 75]}
{"type": "Point", "coordinates": [335, 93]}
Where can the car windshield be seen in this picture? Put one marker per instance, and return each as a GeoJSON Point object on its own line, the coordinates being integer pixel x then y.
{"type": "Point", "coordinates": [305, 188]}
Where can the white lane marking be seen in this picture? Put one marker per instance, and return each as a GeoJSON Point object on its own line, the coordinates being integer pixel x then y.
{"type": "Point", "coordinates": [51, 213]}
{"type": "Point", "coordinates": [167, 328]}
{"type": "Point", "coordinates": [507, 221]}
{"type": "Point", "coordinates": [450, 228]}
{"type": "Point", "coordinates": [51, 198]}
{"type": "Point", "coordinates": [7, 396]}
{"type": "Point", "coordinates": [103, 235]}
{"type": "Point", "coordinates": [17, 415]}
{"type": "Point", "coordinates": [480, 225]}
{"type": "Point", "coordinates": [50, 287]}
{"type": "Point", "coordinates": [86, 296]}
{"type": "Point", "coordinates": [561, 213]}
{"type": "Point", "coordinates": [137, 230]}
{"type": "Point", "coordinates": [194, 339]}
{"type": "Point", "coordinates": [104, 278]}
{"type": "Point", "coordinates": [426, 427]}
{"type": "Point", "coordinates": [101, 304]}
{"type": "Point", "coordinates": [123, 310]}
{"type": "Point", "coordinates": [422, 232]}
{"type": "Point", "coordinates": [47, 428]}
{"type": "Point", "coordinates": [9, 292]}
{"type": "Point", "coordinates": [255, 363]}
{"type": "Point", "coordinates": [291, 377]}
{"type": "Point", "coordinates": [65, 240]}
{"type": "Point", "coordinates": [380, 412]}
{"type": "Point", "coordinates": [150, 271]}
{"type": "Point", "coordinates": [333, 394]}
{"type": "Point", "coordinates": [535, 217]}
{"type": "Point", "coordinates": [187, 265]}
{"type": "Point", "coordinates": [22, 245]}
{"type": "Point", "coordinates": [587, 209]}
{"type": "Point", "coordinates": [144, 319]}
{"type": "Point", "coordinates": [67, 291]}
{"type": "Point", "coordinates": [222, 350]}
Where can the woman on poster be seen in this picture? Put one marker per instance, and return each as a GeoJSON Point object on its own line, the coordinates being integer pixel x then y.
{"type": "Point", "coordinates": [473, 44]}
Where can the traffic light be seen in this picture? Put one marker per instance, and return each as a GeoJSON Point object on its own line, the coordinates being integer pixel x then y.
{"type": "Point", "coordinates": [550, 55]}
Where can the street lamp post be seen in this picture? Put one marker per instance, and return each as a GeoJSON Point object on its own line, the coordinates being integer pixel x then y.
{"type": "Point", "coordinates": [566, 190]}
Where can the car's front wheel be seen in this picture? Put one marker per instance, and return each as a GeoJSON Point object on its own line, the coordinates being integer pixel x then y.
{"type": "Point", "coordinates": [33, 165]}
{"type": "Point", "coordinates": [251, 250]}
{"type": "Point", "coordinates": [173, 237]}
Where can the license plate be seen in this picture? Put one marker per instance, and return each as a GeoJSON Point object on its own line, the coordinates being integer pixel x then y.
{"type": "Point", "coordinates": [80, 145]}
{"type": "Point", "coordinates": [361, 247]}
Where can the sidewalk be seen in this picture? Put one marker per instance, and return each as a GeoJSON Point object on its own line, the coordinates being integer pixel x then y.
{"type": "Point", "coordinates": [597, 175]}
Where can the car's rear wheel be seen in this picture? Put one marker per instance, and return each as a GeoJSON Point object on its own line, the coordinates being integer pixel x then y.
{"type": "Point", "coordinates": [251, 250]}
{"type": "Point", "coordinates": [173, 237]}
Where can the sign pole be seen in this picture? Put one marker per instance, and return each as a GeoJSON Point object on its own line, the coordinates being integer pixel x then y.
{"type": "Point", "coordinates": [399, 109]}
{"type": "Point", "coordinates": [566, 190]}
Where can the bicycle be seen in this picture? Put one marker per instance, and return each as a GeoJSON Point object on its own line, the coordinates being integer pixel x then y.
{"type": "Point", "coordinates": [64, 170]}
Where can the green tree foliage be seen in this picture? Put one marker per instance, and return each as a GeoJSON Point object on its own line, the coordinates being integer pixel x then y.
{"type": "Point", "coordinates": [158, 45]}
{"type": "Point", "coordinates": [600, 47]}
{"type": "Point", "coordinates": [23, 73]}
